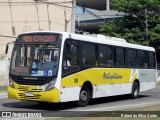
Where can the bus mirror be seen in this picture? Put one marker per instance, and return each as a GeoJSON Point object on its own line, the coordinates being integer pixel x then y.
{"type": "Point", "coordinates": [6, 50]}
{"type": "Point", "coordinates": [73, 49]}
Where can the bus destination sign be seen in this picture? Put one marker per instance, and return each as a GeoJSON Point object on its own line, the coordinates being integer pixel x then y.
{"type": "Point", "coordinates": [38, 38]}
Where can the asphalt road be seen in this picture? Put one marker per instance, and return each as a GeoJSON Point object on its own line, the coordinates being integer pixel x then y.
{"type": "Point", "coordinates": [115, 103]}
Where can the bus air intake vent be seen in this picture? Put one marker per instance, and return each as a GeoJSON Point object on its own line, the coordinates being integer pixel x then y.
{"type": "Point", "coordinates": [35, 96]}
{"type": "Point", "coordinates": [32, 82]}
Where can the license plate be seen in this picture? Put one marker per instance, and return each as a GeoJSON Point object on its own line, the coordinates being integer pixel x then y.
{"type": "Point", "coordinates": [28, 94]}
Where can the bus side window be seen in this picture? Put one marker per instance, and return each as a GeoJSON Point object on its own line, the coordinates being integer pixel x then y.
{"type": "Point", "coordinates": [152, 63]}
{"type": "Point", "coordinates": [146, 59]}
{"type": "Point", "coordinates": [141, 59]}
{"type": "Point", "coordinates": [131, 57]}
{"type": "Point", "coordinates": [119, 57]}
{"type": "Point", "coordinates": [89, 54]}
{"type": "Point", "coordinates": [105, 56]}
{"type": "Point", "coordinates": [70, 58]}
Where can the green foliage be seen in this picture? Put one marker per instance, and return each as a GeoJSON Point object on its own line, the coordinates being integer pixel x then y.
{"type": "Point", "coordinates": [132, 28]}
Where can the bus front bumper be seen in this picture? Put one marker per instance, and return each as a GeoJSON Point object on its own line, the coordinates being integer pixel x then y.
{"type": "Point", "coordinates": [45, 96]}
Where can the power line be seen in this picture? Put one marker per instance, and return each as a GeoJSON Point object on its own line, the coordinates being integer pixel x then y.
{"type": "Point", "coordinates": [52, 3]}
{"type": "Point", "coordinates": [29, 15]}
{"type": "Point", "coordinates": [41, 1]}
{"type": "Point", "coordinates": [57, 4]}
{"type": "Point", "coordinates": [28, 21]}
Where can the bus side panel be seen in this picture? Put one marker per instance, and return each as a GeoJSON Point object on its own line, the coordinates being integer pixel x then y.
{"type": "Point", "coordinates": [121, 89]}
{"type": "Point", "coordinates": [103, 90]}
{"type": "Point", "coordinates": [147, 79]}
{"type": "Point", "coordinates": [102, 80]}
{"type": "Point", "coordinates": [70, 93]}
{"type": "Point", "coordinates": [147, 75]}
{"type": "Point", "coordinates": [106, 82]}
{"type": "Point", "coordinates": [147, 86]}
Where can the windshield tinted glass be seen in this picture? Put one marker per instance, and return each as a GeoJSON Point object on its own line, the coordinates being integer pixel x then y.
{"type": "Point", "coordinates": [35, 60]}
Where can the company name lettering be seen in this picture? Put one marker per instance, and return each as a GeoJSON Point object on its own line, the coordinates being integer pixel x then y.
{"type": "Point", "coordinates": [111, 76]}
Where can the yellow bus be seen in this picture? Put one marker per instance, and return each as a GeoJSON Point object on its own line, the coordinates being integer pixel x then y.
{"type": "Point", "coordinates": [60, 67]}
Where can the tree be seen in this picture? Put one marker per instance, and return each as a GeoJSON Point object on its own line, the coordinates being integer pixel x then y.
{"type": "Point", "coordinates": [133, 28]}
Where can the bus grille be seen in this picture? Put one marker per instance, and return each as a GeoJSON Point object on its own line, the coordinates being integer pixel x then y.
{"type": "Point", "coordinates": [30, 90]}
{"type": "Point", "coordinates": [31, 82]}
{"type": "Point", "coordinates": [35, 96]}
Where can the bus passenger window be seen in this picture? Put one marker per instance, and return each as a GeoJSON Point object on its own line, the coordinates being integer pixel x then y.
{"type": "Point", "coordinates": [141, 59]}
{"type": "Point", "coordinates": [70, 58]}
{"type": "Point", "coordinates": [88, 54]}
{"type": "Point", "coordinates": [146, 59]}
{"type": "Point", "coordinates": [105, 56]}
{"type": "Point", "coordinates": [152, 60]}
{"type": "Point", "coordinates": [119, 57]}
{"type": "Point", "coordinates": [131, 58]}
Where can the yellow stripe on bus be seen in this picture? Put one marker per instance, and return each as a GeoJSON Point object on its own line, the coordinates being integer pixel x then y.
{"type": "Point", "coordinates": [98, 76]}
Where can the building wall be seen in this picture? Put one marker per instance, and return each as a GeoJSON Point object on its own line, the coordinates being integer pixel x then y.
{"type": "Point", "coordinates": [25, 17]}
{"type": "Point", "coordinates": [24, 20]}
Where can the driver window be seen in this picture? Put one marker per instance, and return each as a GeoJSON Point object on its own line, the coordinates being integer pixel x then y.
{"type": "Point", "coordinates": [70, 58]}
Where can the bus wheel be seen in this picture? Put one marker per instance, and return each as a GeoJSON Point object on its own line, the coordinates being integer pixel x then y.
{"type": "Point", "coordinates": [135, 90]}
{"type": "Point", "coordinates": [83, 97]}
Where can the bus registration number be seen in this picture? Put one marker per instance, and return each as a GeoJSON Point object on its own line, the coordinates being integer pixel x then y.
{"type": "Point", "coordinates": [28, 94]}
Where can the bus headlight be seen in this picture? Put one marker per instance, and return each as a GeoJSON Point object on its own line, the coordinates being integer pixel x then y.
{"type": "Point", "coordinates": [11, 84]}
{"type": "Point", "coordinates": [50, 85]}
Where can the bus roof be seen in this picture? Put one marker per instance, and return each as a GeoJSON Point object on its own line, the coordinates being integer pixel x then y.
{"type": "Point", "coordinates": [109, 41]}
{"type": "Point", "coordinates": [98, 39]}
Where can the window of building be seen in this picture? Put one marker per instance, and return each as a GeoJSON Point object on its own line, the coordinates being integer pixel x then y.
{"type": "Point", "coordinates": [119, 57]}
{"type": "Point", "coordinates": [105, 56]}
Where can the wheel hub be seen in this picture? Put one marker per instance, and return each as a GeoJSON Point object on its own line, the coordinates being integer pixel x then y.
{"type": "Point", "coordinates": [84, 96]}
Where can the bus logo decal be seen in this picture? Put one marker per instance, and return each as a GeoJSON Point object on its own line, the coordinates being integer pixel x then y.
{"type": "Point", "coordinates": [111, 76]}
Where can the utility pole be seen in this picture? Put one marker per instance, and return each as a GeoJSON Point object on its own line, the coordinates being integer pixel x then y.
{"type": "Point", "coordinates": [13, 28]}
{"type": "Point", "coordinates": [65, 24]}
{"type": "Point", "coordinates": [146, 28]}
{"type": "Point", "coordinates": [37, 13]}
{"type": "Point", "coordinates": [49, 22]}
{"type": "Point", "coordinates": [73, 16]}
{"type": "Point", "coordinates": [107, 6]}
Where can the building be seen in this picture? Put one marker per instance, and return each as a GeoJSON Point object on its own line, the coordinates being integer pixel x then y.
{"type": "Point", "coordinates": [95, 13]}
{"type": "Point", "coordinates": [90, 22]}
{"type": "Point", "coordinates": [18, 16]}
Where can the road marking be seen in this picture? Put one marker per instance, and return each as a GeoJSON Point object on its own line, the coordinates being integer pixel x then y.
{"type": "Point", "coordinates": [124, 106]}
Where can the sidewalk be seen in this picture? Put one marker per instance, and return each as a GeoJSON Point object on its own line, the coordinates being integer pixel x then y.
{"type": "Point", "coordinates": [3, 94]}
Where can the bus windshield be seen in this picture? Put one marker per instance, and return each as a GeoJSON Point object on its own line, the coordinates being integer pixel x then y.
{"type": "Point", "coordinates": [35, 60]}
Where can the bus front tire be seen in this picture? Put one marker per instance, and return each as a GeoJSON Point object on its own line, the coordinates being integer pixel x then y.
{"type": "Point", "coordinates": [83, 97]}
{"type": "Point", "coordinates": [135, 90]}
